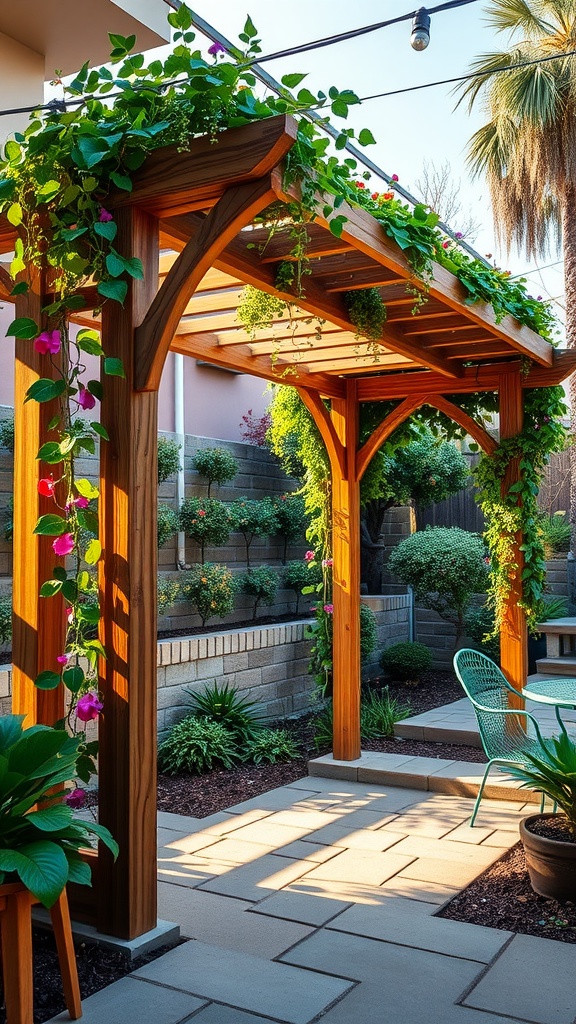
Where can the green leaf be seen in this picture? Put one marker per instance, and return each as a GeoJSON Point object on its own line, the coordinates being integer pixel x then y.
{"type": "Point", "coordinates": [116, 290]}
{"type": "Point", "coordinates": [93, 552]}
{"type": "Point", "coordinates": [70, 591]}
{"type": "Point", "coordinates": [134, 267]}
{"type": "Point", "coordinates": [106, 229]}
{"type": "Point", "coordinates": [115, 264]}
{"type": "Point", "coordinates": [121, 181]}
{"type": "Point", "coordinates": [87, 520]}
{"type": "Point", "coordinates": [99, 429]}
{"type": "Point", "coordinates": [89, 341]}
{"type": "Point", "coordinates": [366, 138]}
{"type": "Point", "coordinates": [51, 526]}
{"type": "Point", "coordinates": [21, 288]}
{"type": "Point", "coordinates": [7, 187]}
{"type": "Point", "coordinates": [59, 573]}
{"type": "Point", "coordinates": [291, 81]}
{"type": "Point", "coordinates": [336, 225]}
{"type": "Point", "coordinates": [48, 190]}
{"type": "Point", "coordinates": [14, 214]}
{"type": "Point", "coordinates": [339, 108]}
{"type": "Point", "coordinates": [73, 678]}
{"type": "Point", "coordinates": [86, 489]}
{"type": "Point", "coordinates": [23, 327]}
{"type": "Point", "coordinates": [306, 97]}
{"type": "Point", "coordinates": [50, 588]}
{"type": "Point", "coordinates": [69, 234]}
{"type": "Point", "coordinates": [103, 835]}
{"type": "Point", "coordinates": [41, 866]}
{"type": "Point", "coordinates": [113, 367]}
{"type": "Point", "coordinates": [78, 870]}
{"type": "Point", "coordinates": [13, 151]}
{"type": "Point", "coordinates": [47, 680]}
{"type": "Point", "coordinates": [51, 819]}
{"type": "Point", "coordinates": [50, 453]}
{"type": "Point", "coordinates": [44, 390]}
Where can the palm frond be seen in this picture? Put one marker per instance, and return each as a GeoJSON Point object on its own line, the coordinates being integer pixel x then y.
{"type": "Point", "coordinates": [520, 16]}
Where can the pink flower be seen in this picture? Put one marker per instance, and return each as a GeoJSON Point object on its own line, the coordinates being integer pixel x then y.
{"type": "Point", "coordinates": [85, 399]}
{"type": "Point", "coordinates": [89, 707]}
{"type": "Point", "coordinates": [63, 545]}
{"type": "Point", "coordinates": [201, 512]}
{"type": "Point", "coordinates": [81, 502]}
{"type": "Point", "coordinates": [394, 177]}
{"type": "Point", "coordinates": [446, 245]}
{"type": "Point", "coordinates": [327, 563]}
{"type": "Point", "coordinates": [309, 556]}
{"type": "Point", "coordinates": [46, 487]}
{"type": "Point", "coordinates": [215, 49]}
{"type": "Point", "coordinates": [328, 608]}
{"type": "Point", "coordinates": [104, 216]}
{"type": "Point", "coordinates": [70, 614]}
{"type": "Point", "coordinates": [48, 341]}
{"type": "Point", "coordinates": [62, 659]}
{"type": "Point", "coordinates": [75, 799]}
{"type": "Point", "coordinates": [458, 235]}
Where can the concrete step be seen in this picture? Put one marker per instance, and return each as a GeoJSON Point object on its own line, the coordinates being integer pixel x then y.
{"type": "Point", "coordinates": [565, 665]}
{"type": "Point", "coordinates": [566, 626]}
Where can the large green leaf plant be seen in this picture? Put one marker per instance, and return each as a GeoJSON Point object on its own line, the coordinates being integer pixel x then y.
{"type": "Point", "coordinates": [40, 845]}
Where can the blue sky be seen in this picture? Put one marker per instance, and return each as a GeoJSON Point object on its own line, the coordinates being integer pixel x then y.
{"type": "Point", "coordinates": [409, 129]}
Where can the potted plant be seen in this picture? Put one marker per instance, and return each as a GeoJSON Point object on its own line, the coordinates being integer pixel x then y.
{"type": "Point", "coordinates": [40, 845]}
{"type": "Point", "coordinates": [550, 839]}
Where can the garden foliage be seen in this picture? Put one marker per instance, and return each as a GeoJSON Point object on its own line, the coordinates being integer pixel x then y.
{"type": "Point", "coordinates": [217, 465]}
{"type": "Point", "coordinates": [209, 588]}
{"type": "Point", "coordinates": [406, 661]}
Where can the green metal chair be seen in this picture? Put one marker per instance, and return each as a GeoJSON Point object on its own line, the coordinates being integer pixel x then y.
{"type": "Point", "coordinates": [503, 730]}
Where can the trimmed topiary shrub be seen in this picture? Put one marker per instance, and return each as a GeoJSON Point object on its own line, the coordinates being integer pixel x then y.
{"type": "Point", "coordinates": [261, 584]}
{"type": "Point", "coordinates": [253, 517]}
{"type": "Point", "coordinates": [299, 574]}
{"type": "Point", "coordinates": [168, 523]}
{"type": "Point", "coordinates": [206, 521]}
{"type": "Point", "coordinates": [216, 464]}
{"type": "Point", "coordinates": [445, 566]}
{"type": "Point", "coordinates": [292, 519]}
{"type": "Point", "coordinates": [209, 589]}
{"type": "Point", "coordinates": [406, 661]}
{"type": "Point", "coordinates": [168, 458]}
{"type": "Point", "coordinates": [196, 745]}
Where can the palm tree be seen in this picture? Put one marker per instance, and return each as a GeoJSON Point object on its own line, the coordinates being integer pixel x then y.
{"type": "Point", "coordinates": [527, 148]}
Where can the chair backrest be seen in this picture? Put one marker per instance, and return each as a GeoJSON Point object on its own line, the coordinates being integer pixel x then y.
{"type": "Point", "coordinates": [487, 687]}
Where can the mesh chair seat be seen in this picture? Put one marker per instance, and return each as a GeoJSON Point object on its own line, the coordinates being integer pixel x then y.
{"type": "Point", "coordinates": [507, 734]}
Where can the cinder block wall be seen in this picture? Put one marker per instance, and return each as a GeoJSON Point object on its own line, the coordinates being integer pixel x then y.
{"type": "Point", "coordinates": [392, 612]}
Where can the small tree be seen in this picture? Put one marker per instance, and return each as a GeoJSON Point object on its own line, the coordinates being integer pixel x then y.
{"type": "Point", "coordinates": [167, 592]}
{"type": "Point", "coordinates": [254, 429]}
{"type": "Point", "coordinates": [261, 584]}
{"type": "Point", "coordinates": [167, 523]}
{"type": "Point", "coordinates": [445, 567]}
{"type": "Point", "coordinates": [216, 464]}
{"type": "Point", "coordinates": [210, 589]}
{"type": "Point", "coordinates": [168, 458]}
{"type": "Point", "coordinates": [299, 574]}
{"type": "Point", "coordinates": [205, 521]}
{"type": "Point", "coordinates": [292, 519]}
{"type": "Point", "coordinates": [253, 517]}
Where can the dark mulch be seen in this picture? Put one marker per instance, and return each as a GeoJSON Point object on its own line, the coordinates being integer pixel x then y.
{"type": "Point", "coordinates": [503, 898]}
{"type": "Point", "coordinates": [262, 620]}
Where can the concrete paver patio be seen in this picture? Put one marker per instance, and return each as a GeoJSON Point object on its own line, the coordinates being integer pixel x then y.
{"type": "Point", "coordinates": [316, 902]}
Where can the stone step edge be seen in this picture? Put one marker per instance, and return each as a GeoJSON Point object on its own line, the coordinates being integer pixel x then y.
{"type": "Point", "coordinates": [436, 775]}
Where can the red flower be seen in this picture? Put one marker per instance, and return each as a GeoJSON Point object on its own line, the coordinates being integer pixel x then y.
{"type": "Point", "coordinates": [360, 184]}
{"type": "Point", "coordinates": [46, 487]}
{"type": "Point", "coordinates": [388, 195]}
{"type": "Point", "coordinates": [375, 195]}
{"type": "Point", "coordinates": [75, 799]}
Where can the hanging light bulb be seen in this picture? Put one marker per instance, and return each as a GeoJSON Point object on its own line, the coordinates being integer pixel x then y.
{"type": "Point", "coordinates": [420, 30]}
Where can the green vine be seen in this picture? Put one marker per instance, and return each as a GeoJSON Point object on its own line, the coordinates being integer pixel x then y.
{"type": "Point", "coordinates": [367, 313]}
{"type": "Point", "coordinates": [507, 514]}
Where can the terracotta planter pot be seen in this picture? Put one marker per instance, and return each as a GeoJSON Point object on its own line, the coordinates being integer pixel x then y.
{"type": "Point", "coordinates": [551, 863]}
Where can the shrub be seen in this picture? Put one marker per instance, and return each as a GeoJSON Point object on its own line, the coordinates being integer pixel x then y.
{"type": "Point", "coordinates": [209, 588]}
{"type": "Point", "coordinates": [368, 634]}
{"type": "Point", "coordinates": [379, 712]}
{"type": "Point", "coordinates": [253, 429]}
{"type": "Point", "coordinates": [554, 533]}
{"type": "Point", "coordinates": [167, 524]}
{"type": "Point", "coordinates": [272, 745]}
{"type": "Point", "coordinates": [406, 661]}
{"type": "Point", "coordinates": [167, 591]}
{"type": "Point", "coordinates": [8, 519]}
{"type": "Point", "coordinates": [321, 632]}
{"type": "Point", "coordinates": [261, 584]}
{"type": "Point", "coordinates": [479, 625]}
{"type": "Point", "coordinates": [445, 566]}
{"type": "Point", "coordinates": [216, 464]}
{"type": "Point", "coordinates": [168, 458]}
{"type": "Point", "coordinates": [7, 434]}
{"type": "Point", "coordinates": [196, 745]}
{"type": "Point", "coordinates": [299, 574]}
{"type": "Point", "coordinates": [292, 519]}
{"type": "Point", "coordinates": [239, 715]}
{"type": "Point", "coordinates": [205, 521]}
{"type": "Point", "coordinates": [5, 620]}
{"type": "Point", "coordinates": [253, 517]}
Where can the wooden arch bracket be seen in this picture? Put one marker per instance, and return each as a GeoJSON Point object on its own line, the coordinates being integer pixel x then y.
{"type": "Point", "coordinates": [233, 211]}
{"type": "Point", "coordinates": [322, 419]}
{"type": "Point", "coordinates": [480, 435]}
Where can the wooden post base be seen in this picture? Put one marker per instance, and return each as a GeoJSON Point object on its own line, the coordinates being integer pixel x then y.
{"type": "Point", "coordinates": [16, 933]}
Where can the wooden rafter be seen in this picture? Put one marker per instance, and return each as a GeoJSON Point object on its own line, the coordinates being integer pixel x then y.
{"type": "Point", "coordinates": [384, 430]}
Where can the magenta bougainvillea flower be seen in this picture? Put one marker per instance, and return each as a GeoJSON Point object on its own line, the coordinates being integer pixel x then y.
{"type": "Point", "coordinates": [46, 487]}
{"type": "Point", "coordinates": [75, 799]}
{"type": "Point", "coordinates": [48, 341]}
{"type": "Point", "coordinates": [104, 216]}
{"type": "Point", "coordinates": [85, 399]}
{"type": "Point", "coordinates": [327, 563]}
{"type": "Point", "coordinates": [62, 659]}
{"type": "Point", "coordinates": [309, 556]}
{"type": "Point", "coordinates": [63, 545]}
{"type": "Point", "coordinates": [328, 608]}
{"type": "Point", "coordinates": [89, 707]}
{"type": "Point", "coordinates": [81, 502]}
{"type": "Point", "coordinates": [215, 49]}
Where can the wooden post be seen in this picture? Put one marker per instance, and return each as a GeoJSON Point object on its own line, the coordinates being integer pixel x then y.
{"type": "Point", "coordinates": [39, 626]}
{"type": "Point", "coordinates": [346, 580]}
{"type": "Point", "coordinates": [128, 511]}
{"type": "Point", "coordinates": [514, 633]}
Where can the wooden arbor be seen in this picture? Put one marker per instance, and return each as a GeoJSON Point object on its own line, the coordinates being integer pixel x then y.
{"type": "Point", "coordinates": [200, 206]}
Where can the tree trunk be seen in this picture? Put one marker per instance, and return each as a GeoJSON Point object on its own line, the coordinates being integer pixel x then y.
{"type": "Point", "coordinates": [372, 548]}
{"type": "Point", "coordinates": [569, 248]}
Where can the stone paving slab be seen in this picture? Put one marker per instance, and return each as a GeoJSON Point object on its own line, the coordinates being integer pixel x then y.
{"type": "Point", "coordinates": [215, 1013]}
{"type": "Point", "coordinates": [350, 838]}
{"type": "Point", "coordinates": [533, 980]}
{"type": "Point", "coordinates": [302, 849]}
{"type": "Point", "coordinates": [257, 880]}
{"type": "Point", "coordinates": [225, 922]}
{"type": "Point", "coordinates": [409, 923]}
{"type": "Point", "coordinates": [360, 866]}
{"type": "Point", "coordinates": [297, 906]}
{"type": "Point", "coordinates": [130, 1000]}
{"type": "Point", "coordinates": [286, 993]}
